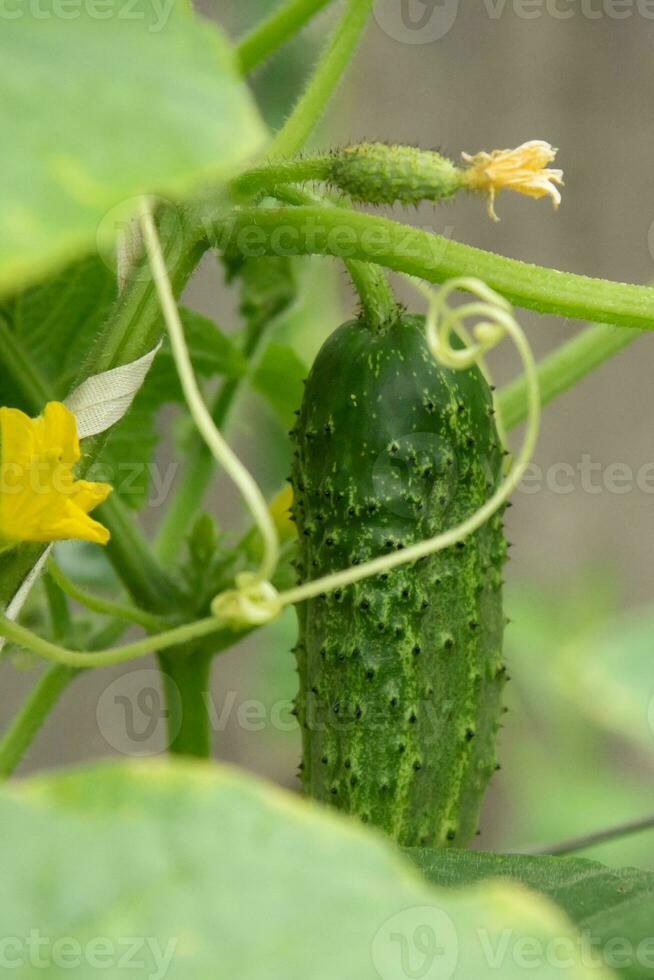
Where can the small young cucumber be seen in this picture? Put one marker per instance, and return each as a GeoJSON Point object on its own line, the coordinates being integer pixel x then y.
{"type": "Point", "coordinates": [381, 174]}
{"type": "Point", "coordinates": [401, 674]}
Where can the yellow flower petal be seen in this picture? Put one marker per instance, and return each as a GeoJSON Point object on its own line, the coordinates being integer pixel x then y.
{"type": "Point", "coordinates": [40, 499]}
{"type": "Point", "coordinates": [280, 511]}
{"type": "Point", "coordinates": [523, 169]}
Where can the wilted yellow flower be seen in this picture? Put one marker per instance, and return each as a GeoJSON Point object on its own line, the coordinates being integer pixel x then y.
{"type": "Point", "coordinates": [523, 169]}
{"type": "Point", "coordinates": [40, 499]}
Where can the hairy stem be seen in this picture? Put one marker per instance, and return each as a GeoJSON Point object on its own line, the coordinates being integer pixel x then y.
{"type": "Point", "coordinates": [330, 69]}
{"type": "Point", "coordinates": [369, 238]}
{"type": "Point", "coordinates": [267, 179]}
{"type": "Point", "coordinates": [259, 43]}
{"type": "Point", "coordinates": [378, 301]}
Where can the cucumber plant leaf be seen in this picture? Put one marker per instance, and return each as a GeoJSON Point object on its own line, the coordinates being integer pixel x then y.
{"type": "Point", "coordinates": [104, 105]}
{"type": "Point", "coordinates": [176, 851]}
{"type": "Point", "coordinates": [52, 327]}
{"type": "Point", "coordinates": [613, 908]}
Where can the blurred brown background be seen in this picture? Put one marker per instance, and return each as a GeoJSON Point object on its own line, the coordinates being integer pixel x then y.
{"type": "Point", "coordinates": [580, 76]}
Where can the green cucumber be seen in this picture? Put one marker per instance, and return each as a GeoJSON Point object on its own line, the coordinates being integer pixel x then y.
{"type": "Point", "coordinates": [401, 674]}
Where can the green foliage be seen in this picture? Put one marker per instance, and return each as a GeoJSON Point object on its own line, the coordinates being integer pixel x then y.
{"type": "Point", "coordinates": [278, 376]}
{"type": "Point", "coordinates": [227, 877]}
{"type": "Point", "coordinates": [208, 565]}
{"type": "Point", "coordinates": [608, 676]}
{"type": "Point", "coordinates": [127, 459]}
{"type": "Point", "coordinates": [52, 327]}
{"type": "Point", "coordinates": [100, 109]}
{"type": "Point", "coordinates": [563, 772]}
{"type": "Point", "coordinates": [613, 908]}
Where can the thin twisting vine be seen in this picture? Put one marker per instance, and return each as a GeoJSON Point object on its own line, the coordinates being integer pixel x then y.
{"type": "Point", "coordinates": [234, 606]}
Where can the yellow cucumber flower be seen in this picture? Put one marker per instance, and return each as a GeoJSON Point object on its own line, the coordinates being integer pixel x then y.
{"type": "Point", "coordinates": [280, 511]}
{"type": "Point", "coordinates": [40, 499]}
{"type": "Point", "coordinates": [523, 169]}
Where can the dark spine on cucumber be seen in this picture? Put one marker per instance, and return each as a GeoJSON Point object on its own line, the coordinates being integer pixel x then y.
{"type": "Point", "coordinates": [401, 674]}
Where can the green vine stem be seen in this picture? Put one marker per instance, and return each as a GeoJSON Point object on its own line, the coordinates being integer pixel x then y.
{"type": "Point", "coordinates": [186, 690]}
{"type": "Point", "coordinates": [259, 43]}
{"type": "Point", "coordinates": [378, 302]}
{"type": "Point", "coordinates": [329, 71]}
{"type": "Point", "coordinates": [369, 238]}
{"type": "Point", "coordinates": [565, 366]}
{"type": "Point", "coordinates": [106, 607]}
{"type": "Point", "coordinates": [60, 619]}
{"type": "Point", "coordinates": [117, 655]}
{"type": "Point", "coordinates": [372, 173]}
{"type": "Point", "coordinates": [594, 838]}
{"type": "Point", "coordinates": [39, 702]}
{"type": "Point", "coordinates": [134, 561]}
{"type": "Point", "coordinates": [199, 464]}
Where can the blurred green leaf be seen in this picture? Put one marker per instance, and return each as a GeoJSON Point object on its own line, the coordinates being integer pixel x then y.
{"type": "Point", "coordinates": [175, 116]}
{"type": "Point", "coordinates": [610, 677]}
{"type": "Point", "coordinates": [54, 324]}
{"type": "Point", "coordinates": [127, 459]}
{"type": "Point", "coordinates": [278, 377]}
{"type": "Point", "coordinates": [562, 775]}
{"type": "Point", "coordinates": [614, 908]}
{"type": "Point", "coordinates": [230, 878]}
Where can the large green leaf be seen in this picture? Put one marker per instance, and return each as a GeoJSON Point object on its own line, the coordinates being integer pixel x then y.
{"type": "Point", "coordinates": [217, 876]}
{"type": "Point", "coordinates": [613, 909]}
{"type": "Point", "coordinates": [102, 101]}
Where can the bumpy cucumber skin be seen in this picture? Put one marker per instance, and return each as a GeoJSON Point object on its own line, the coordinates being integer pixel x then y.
{"type": "Point", "coordinates": [381, 174]}
{"type": "Point", "coordinates": [400, 675]}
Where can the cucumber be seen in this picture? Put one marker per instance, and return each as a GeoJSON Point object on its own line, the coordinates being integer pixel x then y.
{"type": "Point", "coordinates": [379, 174]}
{"type": "Point", "coordinates": [401, 674]}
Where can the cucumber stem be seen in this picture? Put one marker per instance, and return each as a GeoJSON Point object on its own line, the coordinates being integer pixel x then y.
{"type": "Point", "coordinates": [319, 231]}
{"type": "Point", "coordinates": [378, 304]}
